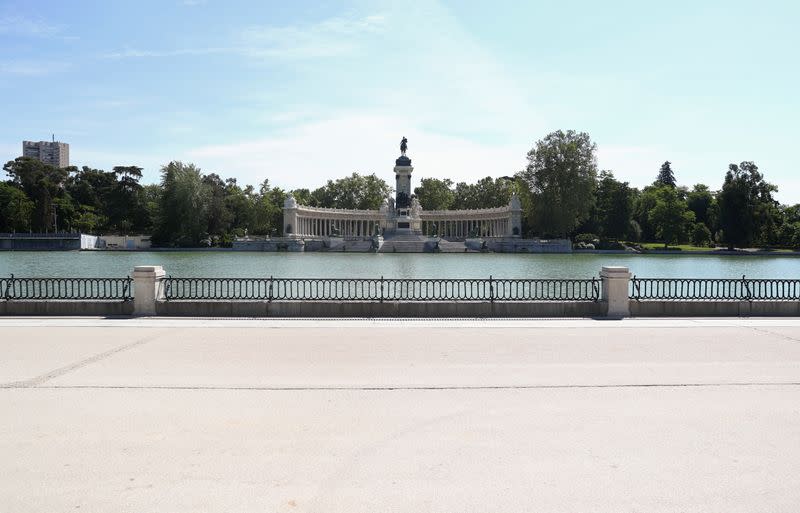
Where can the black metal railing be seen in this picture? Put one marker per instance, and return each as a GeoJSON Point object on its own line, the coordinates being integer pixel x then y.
{"type": "Point", "coordinates": [714, 289]}
{"type": "Point", "coordinates": [120, 289]}
{"type": "Point", "coordinates": [380, 289]}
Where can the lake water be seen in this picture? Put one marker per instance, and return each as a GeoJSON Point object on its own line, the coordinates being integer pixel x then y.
{"type": "Point", "coordinates": [358, 265]}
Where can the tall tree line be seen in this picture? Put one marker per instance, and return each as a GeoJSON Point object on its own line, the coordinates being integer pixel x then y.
{"type": "Point", "coordinates": [562, 191]}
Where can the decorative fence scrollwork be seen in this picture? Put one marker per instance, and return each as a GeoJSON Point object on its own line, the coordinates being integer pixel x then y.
{"type": "Point", "coordinates": [714, 289]}
{"type": "Point", "coordinates": [380, 289]}
{"type": "Point", "coordinates": [112, 289]}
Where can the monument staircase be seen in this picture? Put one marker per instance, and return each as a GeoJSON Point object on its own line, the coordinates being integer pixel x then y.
{"type": "Point", "coordinates": [350, 246]}
{"type": "Point", "coordinates": [416, 243]}
{"type": "Point", "coordinates": [405, 243]}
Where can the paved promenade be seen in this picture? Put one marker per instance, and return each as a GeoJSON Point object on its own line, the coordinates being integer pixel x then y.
{"type": "Point", "coordinates": [172, 415]}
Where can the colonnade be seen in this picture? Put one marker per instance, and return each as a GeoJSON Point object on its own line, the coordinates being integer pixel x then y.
{"type": "Point", "coordinates": [326, 226]}
{"type": "Point", "coordinates": [463, 228]}
{"type": "Point", "coordinates": [304, 221]}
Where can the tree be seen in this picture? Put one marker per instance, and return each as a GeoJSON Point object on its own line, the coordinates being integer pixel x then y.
{"type": "Point", "coordinates": [218, 217]}
{"type": "Point", "coordinates": [487, 192]}
{"type": "Point", "coordinates": [665, 175]}
{"type": "Point", "coordinates": [41, 183]}
{"type": "Point", "coordinates": [15, 209]}
{"type": "Point", "coordinates": [435, 194]}
{"type": "Point", "coordinates": [642, 209]}
{"type": "Point", "coordinates": [744, 203]}
{"type": "Point", "coordinates": [125, 209]}
{"type": "Point", "coordinates": [614, 206]}
{"type": "Point", "coordinates": [303, 197]}
{"type": "Point", "coordinates": [183, 206]}
{"type": "Point", "coordinates": [356, 191]}
{"type": "Point", "coordinates": [561, 174]}
{"type": "Point", "coordinates": [703, 204]}
{"type": "Point", "coordinates": [701, 235]}
{"type": "Point", "coordinates": [670, 216]}
{"type": "Point", "coordinates": [268, 210]}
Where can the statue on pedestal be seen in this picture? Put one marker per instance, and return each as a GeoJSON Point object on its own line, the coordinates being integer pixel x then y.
{"type": "Point", "coordinates": [416, 207]}
{"type": "Point", "coordinates": [403, 146]}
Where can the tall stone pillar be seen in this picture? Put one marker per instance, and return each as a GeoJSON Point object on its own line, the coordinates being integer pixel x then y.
{"type": "Point", "coordinates": [402, 172]}
{"type": "Point", "coordinates": [147, 288]}
{"type": "Point", "coordinates": [515, 217]}
{"type": "Point", "coordinates": [615, 290]}
{"type": "Point", "coordinates": [290, 219]}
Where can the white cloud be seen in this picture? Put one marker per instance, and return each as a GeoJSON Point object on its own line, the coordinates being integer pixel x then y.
{"type": "Point", "coordinates": [328, 38]}
{"type": "Point", "coordinates": [20, 26]}
{"type": "Point", "coordinates": [128, 53]}
{"type": "Point", "coordinates": [310, 154]}
{"type": "Point", "coordinates": [33, 68]}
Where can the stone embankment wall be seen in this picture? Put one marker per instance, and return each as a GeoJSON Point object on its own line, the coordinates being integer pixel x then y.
{"type": "Point", "coordinates": [339, 309]}
{"type": "Point", "coordinates": [66, 307]}
{"type": "Point", "coordinates": [652, 308]}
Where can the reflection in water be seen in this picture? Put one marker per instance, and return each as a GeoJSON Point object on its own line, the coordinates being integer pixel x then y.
{"type": "Point", "coordinates": [246, 264]}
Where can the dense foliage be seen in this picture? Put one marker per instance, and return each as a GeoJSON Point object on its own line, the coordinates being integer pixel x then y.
{"type": "Point", "coordinates": [562, 177]}
{"type": "Point", "coordinates": [561, 191]}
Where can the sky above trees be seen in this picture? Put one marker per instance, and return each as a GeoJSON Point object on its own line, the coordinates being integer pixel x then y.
{"type": "Point", "coordinates": [300, 92]}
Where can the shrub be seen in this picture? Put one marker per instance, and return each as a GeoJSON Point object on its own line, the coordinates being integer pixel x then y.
{"type": "Point", "coordinates": [701, 235]}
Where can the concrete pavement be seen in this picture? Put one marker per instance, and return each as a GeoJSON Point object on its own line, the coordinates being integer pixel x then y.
{"type": "Point", "coordinates": [399, 415]}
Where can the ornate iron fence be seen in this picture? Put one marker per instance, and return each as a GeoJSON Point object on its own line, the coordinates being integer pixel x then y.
{"type": "Point", "coordinates": [714, 289]}
{"type": "Point", "coordinates": [380, 289]}
{"type": "Point", "coordinates": [120, 289]}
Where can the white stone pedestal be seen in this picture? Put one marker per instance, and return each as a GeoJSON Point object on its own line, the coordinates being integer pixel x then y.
{"type": "Point", "coordinates": [147, 288]}
{"type": "Point", "coordinates": [615, 290]}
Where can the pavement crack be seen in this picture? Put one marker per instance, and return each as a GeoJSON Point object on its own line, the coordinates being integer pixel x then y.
{"type": "Point", "coordinates": [769, 332]}
{"type": "Point", "coordinates": [61, 371]}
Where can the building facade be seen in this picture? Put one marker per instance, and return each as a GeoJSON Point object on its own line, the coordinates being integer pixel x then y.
{"type": "Point", "coordinates": [402, 215]}
{"type": "Point", "coordinates": [53, 153]}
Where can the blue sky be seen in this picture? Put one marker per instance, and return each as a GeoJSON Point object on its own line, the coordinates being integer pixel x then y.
{"type": "Point", "coordinates": [299, 92]}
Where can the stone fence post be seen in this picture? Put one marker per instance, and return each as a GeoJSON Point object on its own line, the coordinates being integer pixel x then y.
{"type": "Point", "coordinates": [615, 290]}
{"type": "Point", "coordinates": [148, 288]}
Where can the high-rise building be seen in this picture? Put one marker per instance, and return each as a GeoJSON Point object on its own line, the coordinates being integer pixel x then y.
{"type": "Point", "coordinates": [54, 153]}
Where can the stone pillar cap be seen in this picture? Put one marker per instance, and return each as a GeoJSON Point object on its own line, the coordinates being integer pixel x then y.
{"type": "Point", "coordinates": [147, 268]}
{"type": "Point", "coordinates": [612, 269]}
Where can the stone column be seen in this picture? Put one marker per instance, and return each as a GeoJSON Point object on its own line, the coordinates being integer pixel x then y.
{"type": "Point", "coordinates": [147, 288]}
{"type": "Point", "coordinates": [615, 290]}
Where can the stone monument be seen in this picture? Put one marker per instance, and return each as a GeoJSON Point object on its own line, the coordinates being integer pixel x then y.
{"type": "Point", "coordinates": [404, 223]}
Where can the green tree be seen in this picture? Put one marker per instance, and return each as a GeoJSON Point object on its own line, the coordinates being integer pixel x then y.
{"type": "Point", "coordinates": [614, 206]}
{"type": "Point", "coordinates": [352, 192]}
{"type": "Point", "coordinates": [487, 192]}
{"type": "Point", "coordinates": [665, 175]}
{"type": "Point", "coordinates": [704, 205]}
{"type": "Point", "coordinates": [269, 210]}
{"type": "Point", "coordinates": [15, 209]}
{"type": "Point", "coordinates": [670, 216]}
{"type": "Point", "coordinates": [218, 218]}
{"type": "Point", "coordinates": [561, 175]}
{"type": "Point", "coordinates": [743, 204]}
{"type": "Point", "coordinates": [701, 235]}
{"type": "Point", "coordinates": [125, 209]}
{"type": "Point", "coordinates": [182, 207]}
{"type": "Point", "coordinates": [87, 220]}
{"type": "Point", "coordinates": [435, 194]}
{"type": "Point", "coordinates": [41, 183]}
{"type": "Point", "coordinates": [303, 197]}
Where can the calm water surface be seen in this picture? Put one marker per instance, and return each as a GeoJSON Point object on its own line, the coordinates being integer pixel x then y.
{"type": "Point", "coordinates": [288, 265]}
